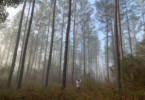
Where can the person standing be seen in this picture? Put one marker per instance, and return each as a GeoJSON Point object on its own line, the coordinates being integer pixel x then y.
{"type": "Point", "coordinates": [78, 85]}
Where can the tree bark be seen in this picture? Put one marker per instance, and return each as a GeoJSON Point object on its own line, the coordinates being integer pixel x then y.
{"type": "Point", "coordinates": [84, 53]}
{"type": "Point", "coordinates": [113, 51]}
{"type": "Point", "coordinates": [25, 48]}
{"type": "Point", "coordinates": [74, 42]}
{"type": "Point", "coordinates": [40, 55]}
{"type": "Point", "coordinates": [16, 47]}
{"type": "Point", "coordinates": [120, 34]}
{"type": "Point", "coordinates": [23, 43]}
{"type": "Point", "coordinates": [51, 45]}
{"type": "Point", "coordinates": [107, 54]}
{"type": "Point", "coordinates": [66, 48]}
{"type": "Point", "coordinates": [61, 49]}
{"type": "Point", "coordinates": [116, 46]}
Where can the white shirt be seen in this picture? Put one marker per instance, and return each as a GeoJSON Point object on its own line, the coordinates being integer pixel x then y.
{"type": "Point", "coordinates": [78, 83]}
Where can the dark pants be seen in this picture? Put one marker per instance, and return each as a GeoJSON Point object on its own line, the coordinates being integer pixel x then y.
{"type": "Point", "coordinates": [78, 89]}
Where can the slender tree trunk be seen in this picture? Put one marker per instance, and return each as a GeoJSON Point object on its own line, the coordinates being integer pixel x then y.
{"type": "Point", "coordinates": [25, 48]}
{"type": "Point", "coordinates": [128, 28]}
{"type": "Point", "coordinates": [51, 45]}
{"type": "Point", "coordinates": [96, 67]}
{"type": "Point", "coordinates": [84, 55]}
{"type": "Point", "coordinates": [40, 55]}
{"type": "Point", "coordinates": [23, 43]}
{"type": "Point", "coordinates": [107, 54]}
{"type": "Point", "coordinates": [74, 42]}
{"type": "Point", "coordinates": [66, 48]}
{"type": "Point", "coordinates": [113, 51]}
{"type": "Point", "coordinates": [120, 34]}
{"type": "Point", "coordinates": [61, 48]}
{"type": "Point", "coordinates": [68, 57]}
{"type": "Point", "coordinates": [16, 47]}
{"type": "Point", "coordinates": [116, 46]}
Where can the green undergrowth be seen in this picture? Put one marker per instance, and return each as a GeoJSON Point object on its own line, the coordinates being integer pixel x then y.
{"type": "Point", "coordinates": [89, 91]}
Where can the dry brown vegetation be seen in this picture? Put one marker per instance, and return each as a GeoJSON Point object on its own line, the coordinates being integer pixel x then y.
{"type": "Point", "coordinates": [89, 91]}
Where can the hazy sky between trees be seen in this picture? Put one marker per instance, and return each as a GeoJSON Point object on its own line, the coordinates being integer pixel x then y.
{"type": "Point", "coordinates": [13, 11]}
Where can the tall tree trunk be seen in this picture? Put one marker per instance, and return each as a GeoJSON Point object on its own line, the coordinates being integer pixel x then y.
{"type": "Point", "coordinates": [84, 55]}
{"type": "Point", "coordinates": [113, 51]}
{"type": "Point", "coordinates": [128, 29]}
{"type": "Point", "coordinates": [23, 43]}
{"type": "Point", "coordinates": [74, 42]}
{"type": "Point", "coordinates": [120, 34]}
{"type": "Point", "coordinates": [51, 45]}
{"type": "Point", "coordinates": [66, 48]}
{"type": "Point", "coordinates": [107, 53]}
{"type": "Point", "coordinates": [88, 54]}
{"type": "Point", "coordinates": [68, 57]}
{"type": "Point", "coordinates": [16, 47]}
{"type": "Point", "coordinates": [96, 66]}
{"type": "Point", "coordinates": [61, 49]}
{"type": "Point", "coordinates": [25, 48]}
{"type": "Point", "coordinates": [116, 46]}
{"type": "Point", "coordinates": [40, 55]}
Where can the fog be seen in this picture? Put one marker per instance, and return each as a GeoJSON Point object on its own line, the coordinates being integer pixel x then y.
{"type": "Point", "coordinates": [91, 46]}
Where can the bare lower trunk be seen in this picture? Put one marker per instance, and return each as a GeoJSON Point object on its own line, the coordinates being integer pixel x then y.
{"type": "Point", "coordinates": [107, 55]}
{"type": "Point", "coordinates": [84, 55]}
{"type": "Point", "coordinates": [40, 56]}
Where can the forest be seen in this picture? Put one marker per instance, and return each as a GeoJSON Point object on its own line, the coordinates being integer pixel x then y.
{"type": "Point", "coordinates": [72, 50]}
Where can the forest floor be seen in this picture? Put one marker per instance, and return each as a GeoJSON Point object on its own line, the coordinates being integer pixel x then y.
{"type": "Point", "coordinates": [89, 91]}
